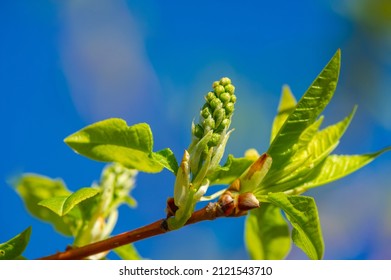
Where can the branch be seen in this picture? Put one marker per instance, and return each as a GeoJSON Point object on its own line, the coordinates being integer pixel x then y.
{"type": "Point", "coordinates": [209, 212]}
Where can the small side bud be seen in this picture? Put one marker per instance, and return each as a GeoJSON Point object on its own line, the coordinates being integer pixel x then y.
{"type": "Point", "coordinates": [247, 201]}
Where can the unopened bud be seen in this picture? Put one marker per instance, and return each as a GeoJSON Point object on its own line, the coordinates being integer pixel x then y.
{"type": "Point", "coordinates": [230, 89]}
{"type": "Point", "coordinates": [229, 108]}
{"type": "Point", "coordinates": [208, 124]}
{"type": "Point", "coordinates": [214, 140]}
{"type": "Point", "coordinates": [247, 201]}
{"type": "Point", "coordinates": [216, 104]}
{"type": "Point", "coordinates": [205, 113]}
{"type": "Point", "coordinates": [210, 96]}
{"type": "Point", "coordinates": [198, 131]}
{"type": "Point", "coordinates": [219, 90]}
{"type": "Point", "coordinates": [225, 81]}
{"type": "Point", "coordinates": [225, 97]}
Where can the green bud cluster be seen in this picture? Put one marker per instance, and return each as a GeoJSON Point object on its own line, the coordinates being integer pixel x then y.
{"type": "Point", "coordinates": [217, 111]}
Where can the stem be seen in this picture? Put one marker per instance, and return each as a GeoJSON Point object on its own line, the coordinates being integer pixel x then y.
{"type": "Point", "coordinates": [209, 212]}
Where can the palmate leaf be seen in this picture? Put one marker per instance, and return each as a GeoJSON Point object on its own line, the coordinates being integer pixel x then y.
{"type": "Point", "coordinates": [112, 140]}
{"type": "Point", "coordinates": [301, 211]}
{"type": "Point", "coordinates": [13, 248]}
{"type": "Point", "coordinates": [267, 233]}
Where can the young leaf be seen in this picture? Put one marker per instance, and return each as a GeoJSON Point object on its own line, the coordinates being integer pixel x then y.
{"type": "Point", "coordinates": [13, 248]}
{"type": "Point", "coordinates": [313, 149]}
{"type": "Point", "coordinates": [305, 113]}
{"type": "Point", "coordinates": [112, 140]}
{"type": "Point", "coordinates": [301, 211]}
{"type": "Point", "coordinates": [61, 205]}
{"type": "Point", "coordinates": [232, 169]}
{"type": "Point", "coordinates": [287, 105]}
{"type": "Point", "coordinates": [338, 166]}
{"type": "Point", "coordinates": [167, 159]}
{"type": "Point", "coordinates": [33, 189]}
{"type": "Point", "coordinates": [267, 233]}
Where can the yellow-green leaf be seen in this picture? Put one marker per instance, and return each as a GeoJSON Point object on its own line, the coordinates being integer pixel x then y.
{"type": "Point", "coordinates": [286, 106]}
{"type": "Point", "coordinates": [112, 140]}
{"type": "Point", "coordinates": [267, 233]}
{"type": "Point", "coordinates": [301, 211]}
{"type": "Point", "coordinates": [35, 188]}
{"type": "Point", "coordinates": [62, 205]}
{"type": "Point", "coordinates": [13, 248]}
{"type": "Point", "coordinates": [305, 113]}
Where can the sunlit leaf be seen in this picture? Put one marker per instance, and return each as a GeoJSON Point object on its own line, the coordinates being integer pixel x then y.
{"type": "Point", "coordinates": [267, 233]}
{"type": "Point", "coordinates": [61, 205]}
{"type": "Point", "coordinates": [13, 248]}
{"type": "Point", "coordinates": [313, 149]}
{"type": "Point", "coordinates": [35, 188]}
{"type": "Point", "coordinates": [286, 106]}
{"type": "Point", "coordinates": [301, 211]}
{"type": "Point", "coordinates": [305, 113]}
{"type": "Point", "coordinates": [167, 159]}
{"type": "Point", "coordinates": [112, 140]}
{"type": "Point", "coordinates": [232, 169]}
{"type": "Point", "coordinates": [338, 166]}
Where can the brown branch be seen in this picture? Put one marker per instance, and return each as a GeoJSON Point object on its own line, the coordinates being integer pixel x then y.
{"type": "Point", "coordinates": [210, 212]}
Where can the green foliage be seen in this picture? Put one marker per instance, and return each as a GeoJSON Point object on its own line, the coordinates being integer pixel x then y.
{"type": "Point", "coordinates": [13, 248]}
{"type": "Point", "coordinates": [113, 140]}
{"type": "Point", "coordinates": [301, 211]}
{"type": "Point", "coordinates": [35, 188]}
{"type": "Point", "coordinates": [302, 160]}
{"type": "Point", "coordinates": [62, 205]}
{"type": "Point", "coordinates": [267, 233]}
{"type": "Point", "coordinates": [298, 159]}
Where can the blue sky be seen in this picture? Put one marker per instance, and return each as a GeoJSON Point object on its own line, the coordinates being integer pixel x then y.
{"type": "Point", "coordinates": [66, 64]}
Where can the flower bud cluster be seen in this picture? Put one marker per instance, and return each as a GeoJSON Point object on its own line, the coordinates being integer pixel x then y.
{"type": "Point", "coordinates": [217, 111]}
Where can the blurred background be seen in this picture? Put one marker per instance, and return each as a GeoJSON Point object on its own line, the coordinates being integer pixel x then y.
{"type": "Point", "coordinates": [66, 64]}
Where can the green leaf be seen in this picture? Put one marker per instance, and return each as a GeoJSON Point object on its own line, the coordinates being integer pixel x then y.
{"type": "Point", "coordinates": [13, 248]}
{"type": "Point", "coordinates": [112, 140]}
{"type": "Point", "coordinates": [286, 107]}
{"type": "Point", "coordinates": [314, 147]}
{"type": "Point", "coordinates": [167, 159]}
{"type": "Point", "coordinates": [338, 166]}
{"type": "Point", "coordinates": [267, 233]}
{"type": "Point", "coordinates": [35, 188]}
{"type": "Point", "coordinates": [301, 211]}
{"type": "Point", "coordinates": [62, 205]}
{"type": "Point", "coordinates": [232, 169]}
{"type": "Point", "coordinates": [127, 252]}
{"type": "Point", "coordinates": [305, 113]}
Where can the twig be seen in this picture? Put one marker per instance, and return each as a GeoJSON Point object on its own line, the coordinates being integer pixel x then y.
{"type": "Point", "coordinates": [210, 212]}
